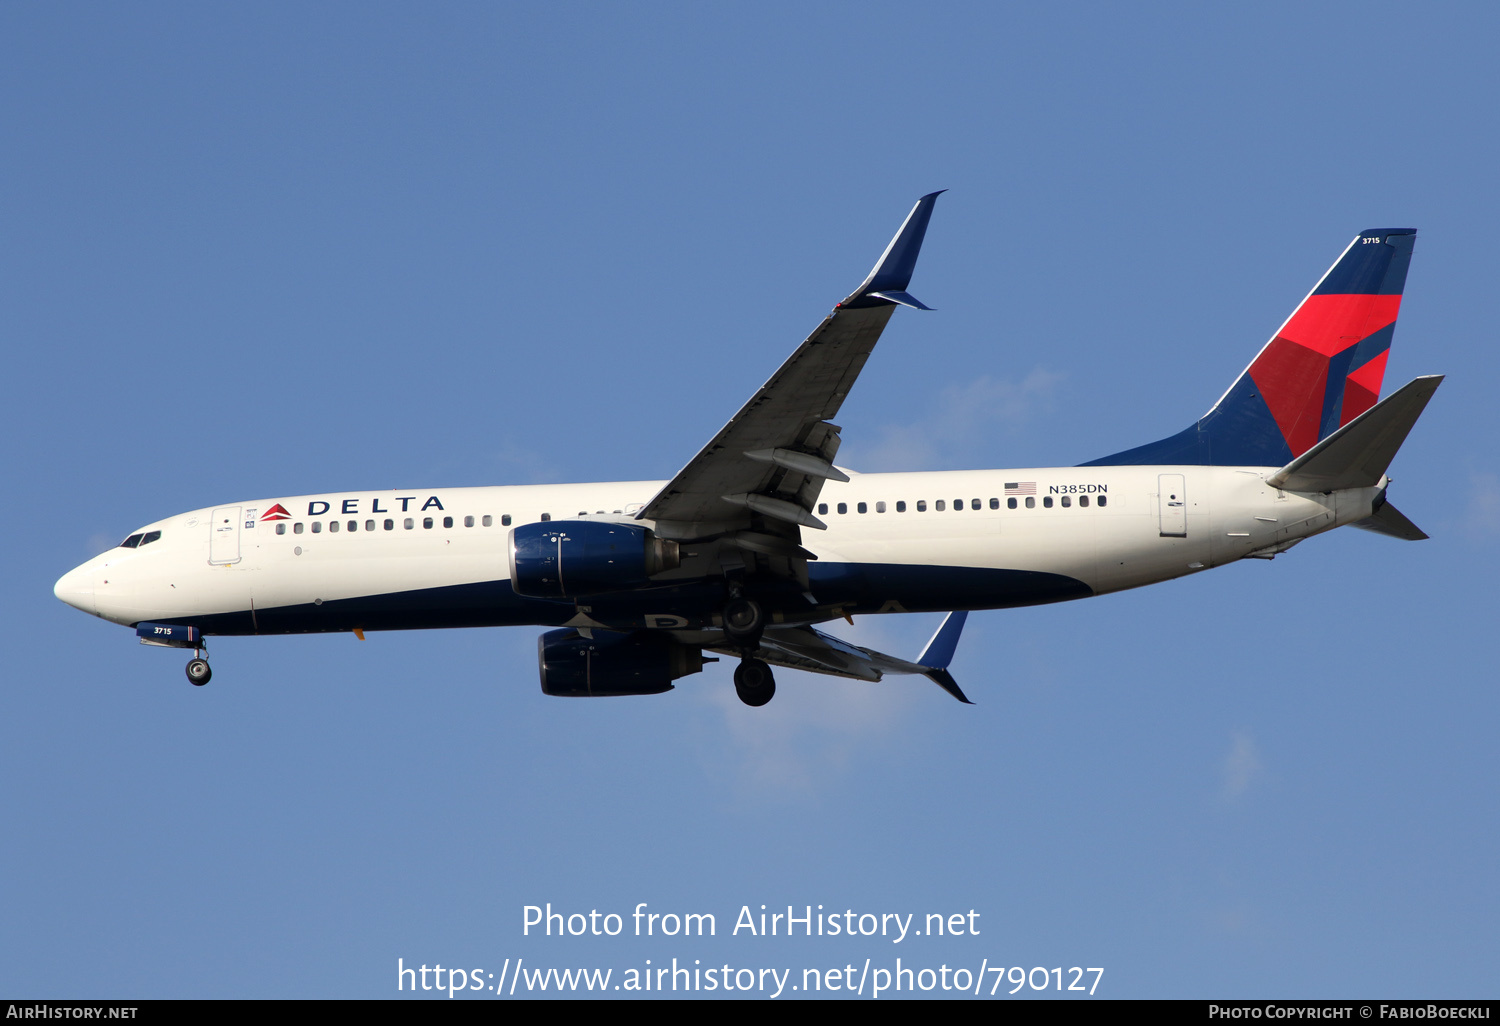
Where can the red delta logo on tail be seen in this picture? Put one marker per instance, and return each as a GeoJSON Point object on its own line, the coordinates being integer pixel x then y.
{"type": "Point", "coordinates": [1321, 370]}
{"type": "Point", "coordinates": [276, 512]}
{"type": "Point", "coordinates": [1325, 366]}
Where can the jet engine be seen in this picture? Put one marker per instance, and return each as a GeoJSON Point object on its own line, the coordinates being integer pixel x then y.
{"type": "Point", "coordinates": [613, 663]}
{"type": "Point", "coordinates": [568, 558]}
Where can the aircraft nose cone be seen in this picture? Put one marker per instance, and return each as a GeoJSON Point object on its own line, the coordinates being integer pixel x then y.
{"type": "Point", "coordinates": [76, 588]}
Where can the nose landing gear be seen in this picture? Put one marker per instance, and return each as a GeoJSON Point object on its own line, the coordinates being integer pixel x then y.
{"type": "Point", "coordinates": [198, 672]}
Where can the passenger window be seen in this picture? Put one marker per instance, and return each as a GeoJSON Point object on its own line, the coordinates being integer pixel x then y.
{"type": "Point", "coordinates": [545, 516]}
{"type": "Point", "coordinates": [1103, 501]}
{"type": "Point", "coordinates": [447, 521]}
{"type": "Point", "coordinates": [843, 507]}
{"type": "Point", "coordinates": [921, 505]}
{"type": "Point", "coordinates": [976, 504]}
{"type": "Point", "coordinates": [994, 504]}
{"type": "Point", "coordinates": [389, 525]}
{"type": "Point", "coordinates": [901, 506]}
{"type": "Point", "coordinates": [1047, 502]}
{"type": "Point", "coordinates": [426, 523]}
{"type": "Point", "coordinates": [135, 539]}
{"type": "Point", "coordinates": [1031, 502]}
{"type": "Point", "coordinates": [408, 523]}
{"type": "Point", "coordinates": [504, 520]}
{"type": "Point", "coordinates": [863, 507]}
{"type": "Point", "coordinates": [822, 508]}
{"type": "Point", "coordinates": [468, 521]}
{"type": "Point", "coordinates": [958, 504]}
{"type": "Point", "coordinates": [940, 505]}
{"type": "Point", "coordinates": [1067, 501]}
{"type": "Point", "coordinates": [489, 520]}
{"type": "Point", "coordinates": [1010, 503]}
{"type": "Point", "coordinates": [281, 528]}
{"type": "Point", "coordinates": [880, 507]}
{"type": "Point", "coordinates": [369, 525]}
{"type": "Point", "coordinates": [1083, 500]}
{"type": "Point", "coordinates": [297, 528]}
{"type": "Point", "coordinates": [149, 537]}
{"type": "Point", "coordinates": [317, 527]}
{"type": "Point", "coordinates": [352, 526]}
{"type": "Point", "coordinates": [333, 527]}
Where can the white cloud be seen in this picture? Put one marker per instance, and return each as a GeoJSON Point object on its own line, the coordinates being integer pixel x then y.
{"type": "Point", "coordinates": [1241, 765]}
{"type": "Point", "coordinates": [1483, 516]}
{"type": "Point", "coordinates": [817, 724]}
{"type": "Point", "coordinates": [962, 412]}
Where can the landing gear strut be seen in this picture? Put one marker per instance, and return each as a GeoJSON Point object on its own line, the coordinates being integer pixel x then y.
{"type": "Point", "coordinates": [744, 623]}
{"type": "Point", "coordinates": [753, 682]}
{"type": "Point", "coordinates": [198, 673]}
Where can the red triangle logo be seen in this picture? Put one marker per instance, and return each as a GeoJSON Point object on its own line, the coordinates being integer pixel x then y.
{"type": "Point", "coordinates": [276, 512]}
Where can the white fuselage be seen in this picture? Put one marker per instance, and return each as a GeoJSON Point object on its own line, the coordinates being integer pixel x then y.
{"type": "Point", "coordinates": [1121, 527]}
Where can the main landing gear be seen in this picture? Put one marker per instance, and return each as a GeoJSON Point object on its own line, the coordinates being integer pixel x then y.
{"type": "Point", "coordinates": [744, 623]}
{"type": "Point", "coordinates": [753, 682]}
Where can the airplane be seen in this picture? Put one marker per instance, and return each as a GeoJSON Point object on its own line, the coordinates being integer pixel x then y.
{"type": "Point", "coordinates": [761, 536]}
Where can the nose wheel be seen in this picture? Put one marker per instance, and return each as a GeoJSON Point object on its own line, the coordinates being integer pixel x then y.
{"type": "Point", "coordinates": [198, 672]}
{"type": "Point", "coordinates": [754, 682]}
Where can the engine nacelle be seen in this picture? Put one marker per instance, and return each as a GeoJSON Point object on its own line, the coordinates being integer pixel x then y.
{"type": "Point", "coordinates": [611, 663]}
{"type": "Point", "coordinates": [567, 558]}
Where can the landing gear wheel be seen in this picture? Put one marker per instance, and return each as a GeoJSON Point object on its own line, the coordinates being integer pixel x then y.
{"type": "Point", "coordinates": [198, 672]}
{"type": "Point", "coordinates": [744, 619]}
{"type": "Point", "coordinates": [754, 683]}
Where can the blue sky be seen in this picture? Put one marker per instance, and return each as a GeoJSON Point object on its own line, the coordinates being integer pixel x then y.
{"type": "Point", "coordinates": [275, 250]}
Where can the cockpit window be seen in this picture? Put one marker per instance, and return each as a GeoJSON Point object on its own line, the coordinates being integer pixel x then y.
{"type": "Point", "coordinates": [131, 542]}
{"type": "Point", "coordinates": [150, 537]}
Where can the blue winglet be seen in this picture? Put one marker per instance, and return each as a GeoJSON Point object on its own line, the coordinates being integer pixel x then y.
{"type": "Point", "coordinates": [939, 651]}
{"type": "Point", "coordinates": [904, 298]}
{"type": "Point", "coordinates": [892, 274]}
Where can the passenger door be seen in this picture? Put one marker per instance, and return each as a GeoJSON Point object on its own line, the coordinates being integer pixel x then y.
{"type": "Point", "coordinates": [224, 536]}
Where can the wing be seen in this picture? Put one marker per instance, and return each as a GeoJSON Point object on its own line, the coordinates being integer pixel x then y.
{"type": "Point", "coordinates": [761, 474]}
{"type": "Point", "coordinates": [806, 648]}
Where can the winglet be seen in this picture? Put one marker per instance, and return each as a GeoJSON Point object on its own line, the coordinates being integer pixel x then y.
{"type": "Point", "coordinates": [939, 653]}
{"type": "Point", "coordinates": [892, 274]}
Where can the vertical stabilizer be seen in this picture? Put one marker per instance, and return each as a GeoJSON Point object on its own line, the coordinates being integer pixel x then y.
{"type": "Point", "coordinates": [1321, 369]}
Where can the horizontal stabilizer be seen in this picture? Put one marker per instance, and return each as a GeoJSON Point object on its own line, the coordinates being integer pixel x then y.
{"type": "Point", "coordinates": [1357, 454]}
{"type": "Point", "coordinates": [1390, 520]}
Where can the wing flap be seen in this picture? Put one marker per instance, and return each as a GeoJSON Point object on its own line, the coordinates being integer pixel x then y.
{"type": "Point", "coordinates": [807, 648]}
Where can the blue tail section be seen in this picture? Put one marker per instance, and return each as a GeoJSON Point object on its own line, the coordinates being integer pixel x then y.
{"type": "Point", "coordinates": [1322, 368]}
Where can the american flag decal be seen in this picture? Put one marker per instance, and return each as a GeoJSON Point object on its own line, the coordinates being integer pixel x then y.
{"type": "Point", "coordinates": [1020, 488]}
